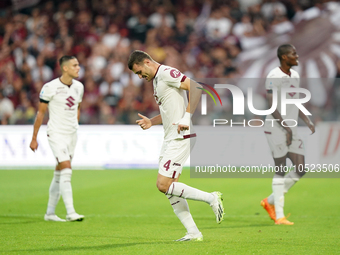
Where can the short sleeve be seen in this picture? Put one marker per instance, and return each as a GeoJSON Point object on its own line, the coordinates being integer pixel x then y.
{"type": "Point", "coordinates": [46, 93]}
{"type": "Point", "coordinates": [173, 77]}
{"type": "Point", "coordinates": [272, 82]}
{"type": "Point", "coordinates": [81, 94]}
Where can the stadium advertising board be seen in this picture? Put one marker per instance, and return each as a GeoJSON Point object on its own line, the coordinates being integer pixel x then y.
{"type": "Point", "coordinates": [119, 147]}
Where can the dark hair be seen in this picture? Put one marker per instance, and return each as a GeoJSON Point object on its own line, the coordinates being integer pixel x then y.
{"type": "Point", "coordinates": [283, 50]}
{"type": "Point", "coordinates": [137, 57]}
{"type": "Point", "coordinates": [64, 59]}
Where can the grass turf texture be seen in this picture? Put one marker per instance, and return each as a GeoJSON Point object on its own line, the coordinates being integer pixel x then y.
{"type": "Point", "coordinates": [125, 214]}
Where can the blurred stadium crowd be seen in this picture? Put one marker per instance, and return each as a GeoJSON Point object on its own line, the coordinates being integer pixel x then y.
{"type": "Point", "coordinates": [201, 38]}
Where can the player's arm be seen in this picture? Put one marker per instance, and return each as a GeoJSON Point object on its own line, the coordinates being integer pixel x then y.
{"type": "Point", "coordinates": [194, 93]}
{"type": "Point", "coordinates": [307, 120]}
{"type": "Point", "coordinates": [37, 123]}
{"type": "Point", "coordinates": [276, 114]}
{"type": "Point", "coordinates": [146, 123]}
{"type": "Point", "coordinates": [194, 98]}
{"type": "Point", "coordinates": [78, 112]}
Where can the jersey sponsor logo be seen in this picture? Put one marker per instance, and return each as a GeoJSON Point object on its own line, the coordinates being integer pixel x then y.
{"type": "Point", "coordinates": [175, 73]}
{"type": "Point", "coordinates": [176, 164]}
{"type": "Point", "coordinates": [70, 101]}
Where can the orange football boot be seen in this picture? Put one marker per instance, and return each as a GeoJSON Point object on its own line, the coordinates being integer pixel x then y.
{"type": "Point", "coordinates": [283, 221]}
{"type": "Point", "coordinates": [269, 208]}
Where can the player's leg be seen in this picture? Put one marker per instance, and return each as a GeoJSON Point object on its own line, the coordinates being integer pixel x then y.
{"type": "Point", "coordinates": [168, 186]}
{"type": "Point", "coordinates": [63, 149]}
{"type": "Point", "coordinates": [66, 190]}
{"type": "Point", "coordinates": [67, 187]}
{"type": "Point", "coordinates": [275, 202]}
{"type": "Point", "coordinates": [293, 176]}
{"type": "Point", "coordinates": [54, 195]}
{"type": "Point", "coordinates": [181, 209]}
{"type": "Point", "coordinates": [170, 168]}
{"type": "Point", "coordinates": [296, 155]}
{"type": "Point", "coordinates": [278, 192]}
{"type": "Point", "coordinates": [277, 186]}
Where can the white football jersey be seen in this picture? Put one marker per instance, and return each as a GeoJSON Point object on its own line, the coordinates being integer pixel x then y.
{"type": "Point", "coordinates": [63, 102]}
{"type": "Point", "coordinates": [172, 100]}
{"type": "Point", "coordinates": [278, 79]}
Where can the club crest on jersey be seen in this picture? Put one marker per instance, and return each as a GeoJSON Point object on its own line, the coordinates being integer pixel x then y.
{"type": "Point", "coordinates": [70, 101]}
{"type": "Point", "coordinates": [175, 73]}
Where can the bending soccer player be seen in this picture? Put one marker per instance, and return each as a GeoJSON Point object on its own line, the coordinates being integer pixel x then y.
{"type": "Point", "coordinates": [283, 140]}
{"type": "Point", "coordinates": [175, 114]}
{"type": "Point", "coordinates": [62, 96]}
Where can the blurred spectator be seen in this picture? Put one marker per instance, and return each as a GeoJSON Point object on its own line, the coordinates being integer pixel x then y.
{"type": "Point", "coordinates": [6, 109]}
{"type": "Point", "coordinates": [41, 71]}
{"type": "Point", "coordinates": [218, 26]}
{"type": "Point", "coordinates": [271, 8]}
{"type": "Point", "coordinates": [112, 37]}
{"type": "Point", "coordinates": [161, 18]}
{"type": "Point", "coordinates": [202, 38]}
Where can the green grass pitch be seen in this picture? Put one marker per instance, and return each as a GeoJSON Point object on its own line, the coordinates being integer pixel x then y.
{"type": "Point", "coordinates": [125, 214]}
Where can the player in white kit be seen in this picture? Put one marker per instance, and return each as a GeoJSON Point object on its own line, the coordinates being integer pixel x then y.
{"type": "Point", "coordinates": [284, 141]}
{"type": "Point", "coordinates": [62, 96]}
{"type": "Point", "coordinates": [175, 114]}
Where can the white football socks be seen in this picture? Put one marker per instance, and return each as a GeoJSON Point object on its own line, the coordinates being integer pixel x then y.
{"type": "Point", "coordinates": [179, 189]}
{"type": "Point", "coordinates": [277, 185]}
{"type": "Point", "coordinates": [181, 209]}
{"type": "Point", "coordinates": [290, 179]}
{"type": "Point", "coordinates": [54, 193]}
{"type": "Point", "coordinates": [66, 189]}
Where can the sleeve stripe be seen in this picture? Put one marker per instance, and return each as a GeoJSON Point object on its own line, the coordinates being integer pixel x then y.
{"type": "Point", "coordinates": [44, 101]}
{"type": "Point", "coordinates": [183, 78]}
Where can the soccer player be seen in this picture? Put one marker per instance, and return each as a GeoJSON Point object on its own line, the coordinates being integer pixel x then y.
{"type": "Point", "coordinates": [283, 140]}
{"type": "Point", "coordinates": [169, 86]}
{"type": "Point", "coordinates": [63, 97]}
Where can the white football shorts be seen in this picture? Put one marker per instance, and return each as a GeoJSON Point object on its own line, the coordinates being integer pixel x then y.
{"type": "Point", "coordinates": [278, 144]}
{"type": "Point", "coordinates": [174, 154]}
{"type": "Point", "coordinates": [62, 146]}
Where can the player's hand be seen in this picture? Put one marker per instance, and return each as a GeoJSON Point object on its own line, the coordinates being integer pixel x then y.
{"type": "Point", "coordinates": [181, 127]}
{"type": "Point", "coordinates": [184, 123]}
{"type": "Point", "coordinates": [34, 145]}
{"type": "Point", "coordinates": [311, 127]}
{"type": "Point", "coordinates": [144, 122]}
{"type": "Point", "coordinates": [289, 137]}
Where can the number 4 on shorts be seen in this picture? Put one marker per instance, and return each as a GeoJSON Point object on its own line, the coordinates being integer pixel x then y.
{"type": "Point", "coordinates": [167, 165]}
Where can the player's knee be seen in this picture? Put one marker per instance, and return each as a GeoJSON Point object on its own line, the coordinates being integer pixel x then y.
{"type": "Point", "coordinates": [63, 165]}
{"type": "Point", "coordinates": [162, 187]}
